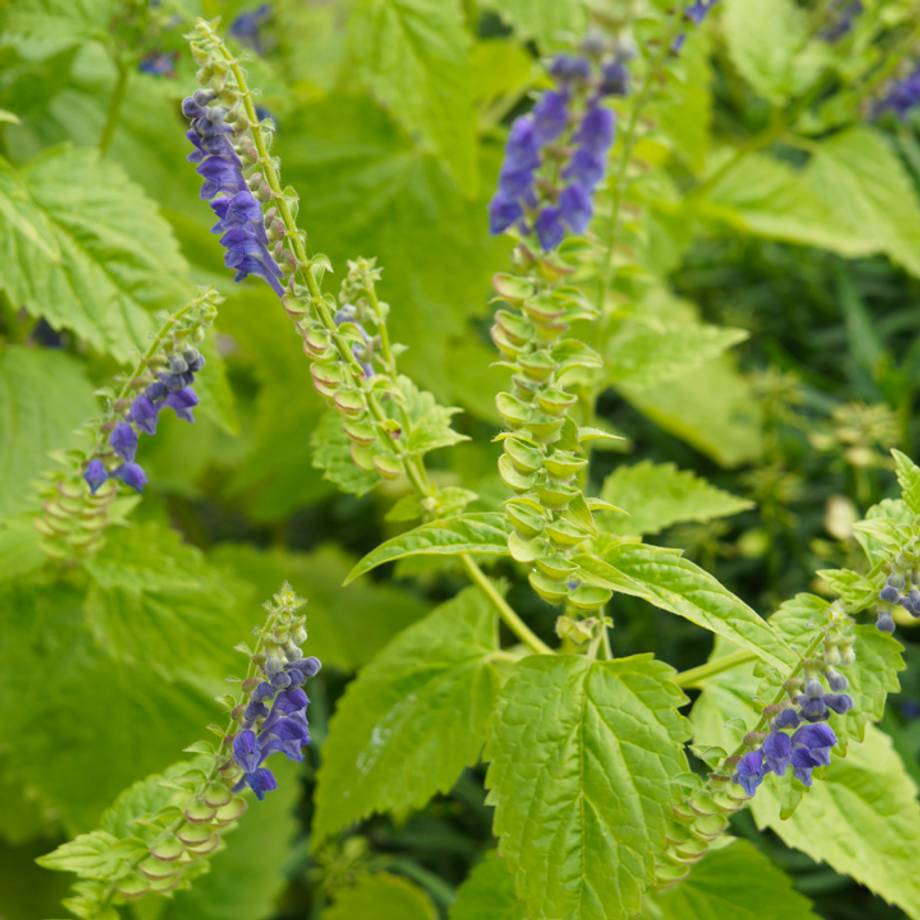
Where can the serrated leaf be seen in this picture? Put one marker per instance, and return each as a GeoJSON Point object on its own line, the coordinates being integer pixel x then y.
{"type": "Point", "coordinates": [415, 57]}
{"type": "Point", "coordinates": [92, 256]}
{"type": "Point", "coordinates": [667, 580]}
{"type": "Point", "coordinates": [484, 534]}
{"type": "Point", "coordinates": [581, 800]}
{"type": "Point", "coordinates": [711, 407]}
{"type": "Point", "coordinates": [855, 590]}
{"type": "Point", "coordinates": [549, 22]}
{"type": "Point", "coordinates": [868, 191]}
{"type": "Point", "coordinates": [413, 718]}
{"type": "Point", "coordinates": [861, 817]}
{"type": "Point", "coordinates": [381, 895]}
{"type": "Point", "coordinates": [125, 717]}
{"type": "Point", "coordinates": [896, 519]}
{"type": "Point", "coordinates": [431, 427]}
{"type": "Point", "coordinates": [488, 892]}
{"type": "Point", "coordinates": [44, 397]}
{"type": "Point", "coordinates": [734, 882]}
{"type": "Point", "coordinates": [39, 28]}
{"type": "Point", "coordinates": [331, 454]}
{"type": "Point", "coordinates": [908, 474]}
{"type": "Point", "coordinates": [768, 43]}
{"type": "Point", "coordinates": [97, 855]}
{"type": "Point", "coordinates": [658, 495]}
{"type": "Point", "coordinates": [642, 354]}
{"type": "Point", "coordinates": [765, 197]}
{"type": "Point", "coordinates": [154, 599]}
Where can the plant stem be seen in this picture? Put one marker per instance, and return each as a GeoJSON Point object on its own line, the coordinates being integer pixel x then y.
{"type": "Point", "coordinates": [115, 103]}
{"type": "Point", "coordinates": [695, 677]}
{"type": "Point", "coordinates": [512, 620]}
{"type": "Point", "coordinates": [415, 469]}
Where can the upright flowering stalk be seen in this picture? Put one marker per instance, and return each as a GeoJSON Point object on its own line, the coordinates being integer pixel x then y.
{"type": "Point", "coordinates": [178, 820]}
{"type": "Point", "coordinates": [555, 158]}
{"type": "Point", "coordinates": [695, 13]}
{"type": "Point", "coordinates": [76, 500]}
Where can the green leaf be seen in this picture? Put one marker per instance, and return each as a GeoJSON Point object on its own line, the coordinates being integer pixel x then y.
{"type": "Point", "coordinates": [768, 43]}
{"type": "Point", "coordinates": [484, 534]}
{"type": "Point", "coordinates": [764, 197]}
{"type": "Point", "coordinates": [44, 397]}
{"type": "Point", "coordinates": [415, 57]}
{"type": "Point", "coordinates": [643, 354]}
{"type": "Point", "coordinates": [347, 627]}
{"type": "Point", "coordinates": [332, 455]}
{"type": "Point", "coordinates": [868, 191]}
{"type": "Point", "coordinates": [667, 580]}
{"type": "Point", "coordinates": [711, 407]}
{"type": "Point", "coordinates": [659, 495]}
{"type": "Point", "coordinates": [98, 855]}
{"type": "Point", "coordinates": [246, 878]}
{"type": "Point", "coordinates": [412, 719]}
{"type": "Point", "coordinates": [488, 892]}
{"type": "Point", "coordinates": [382, 895]}
{"type": "Point", "coordinates": [92, 256]}
{"type": "Point", "coordinates": [861, 817]}
{"type": "Point", "coordinates": [40, 28]}
{"type": "Point", "coordinates": [581, 800]}
{"type": "Point", "coordinates": [855, 590]}
{"type": "Point", "coordinates": [734, 882]}
{"type": "Point", "coordinates": [119, 721]}
{"type": "Point", "coordinates": [908, 479]}
{"type": "Point", "coordinates": [431, 427]}
{"type": "Point", "coordinates": [155, 599]}
{"type": "Point", "coordinates": [549, 22]}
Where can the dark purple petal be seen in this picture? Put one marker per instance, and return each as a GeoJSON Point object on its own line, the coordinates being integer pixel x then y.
{"type": "Point", "coordinates": [777, 752]}
{"type": "Point", "coordinates": [750, 772]}
{"type": "Point", "coordinates": [246, 751]}
{"type": "Point", "coordinates": [261, 781]}
{"type": "Point", "coordinates": [144, 414]}
{"type": "Point", "coordinates": [503, 212]}
{"type": "Point", "coordinates": [575, 207]}
{"type": "Point", "coordinates": [522, 150]}
{"type": "Point", "coordinates": [586, 168]}
{"type": "Point", "coordinates": [131, 475]}
{"type": "Point", "coordinates": [182, 401]}
{"type": "Point", "coordinates": [123, 441]}
{"type": "Point", "coordinates": [840, 702]}
{"type": "Point", "coordinates": [595, 133]}
{"type": "Point", "coordinates": [549, 228]}
{"type": "Point", "coordinates": [95, 474]}
{"type": "Point", "coordinates": [567, 67]}
{"type": "Point", "coordinates": [550, 115]}
{"type": "Point", "coordinates": [788, 718]}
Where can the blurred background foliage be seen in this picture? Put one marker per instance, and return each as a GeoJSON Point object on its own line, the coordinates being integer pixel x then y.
{"type": "Point", "coordinates": [771, 348]}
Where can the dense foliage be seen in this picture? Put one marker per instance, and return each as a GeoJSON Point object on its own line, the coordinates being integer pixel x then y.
{"type": "Point", "coordinates": [547, 375]}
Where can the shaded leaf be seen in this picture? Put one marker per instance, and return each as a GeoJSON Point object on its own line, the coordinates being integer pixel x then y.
{"type": "Point", "coordinates": [412, 719]}
{"type": "Point", "coordinates": [488, 892]}
{"type": "Point", "coordinates": [332, 455]}
{"type": "Point", "coordinates": [382, 895]}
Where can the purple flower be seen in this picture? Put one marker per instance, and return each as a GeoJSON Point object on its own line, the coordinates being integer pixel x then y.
{"type": "Point", "coordinates": [750, 772]}
{"type": "Point", "coordinates": [586, 168]}
{"type": "Point", "coordinates": [247, 27]}
{"type": "Point", "coordinates": [131, 475]}
{"type": "Point", "coordinates": [566, 68]}
{"type": "Point", "coordinates": [550, 115]}
{"type": "Point", "coordinates": [503, 212]}
{"type": "Point", "coordinates": [95, 474]}
{"type": "Point", "coordinates": [575, 207]}
{"type": "Point", "coordinates": [841, 703]}
{"type": "Point", "coordinates": [549, 228]}
{"type": "Point", "coordinates": [836, 30]}
{"type": "Point", "coordinates": [885, 622]}
{"type": "Point", "coordinates": [123, 441]}
{"type": "Point", "coordinates": [181, 402]}
{"type": "Point", "coordinates": [696, 12]}
{"type": "Point", "coordinates": [260, 781]}
{"type": "Point", "coordinates": [246, 751]}
{"type": "Point", "coordinates": [240, 222]}
{"type": "Point", "coordinates": [615, 78]}
{"type": "Point", "coordinates": [901, 96]}
{"type": "Point", "coordinates": [595, 133]}
{"type": "Point", "coordinates": [788, 718]}
{"type": "Point", "coordinates": [144, 414]}
{"type": "Point", "coordinates": [811, 746]}
{"type": "Point", "coordinates": [158, 64]}
{"type": "Point", "coordinates": [777, 752]}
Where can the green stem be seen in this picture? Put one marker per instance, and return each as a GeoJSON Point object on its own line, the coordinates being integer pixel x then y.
{"type": "Point", "coordinates": [512, 620]}
{"type": "Point", "coordinates": [116, 101]}
{"type": "Point", "coordinates": [695, 677]}
{"type": "Point", "coordinates": [414, 469]}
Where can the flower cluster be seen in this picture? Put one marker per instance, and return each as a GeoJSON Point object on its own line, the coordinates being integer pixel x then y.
{"type": "Point", "coordinates": [557, 155]}
{"type": "Point", "coordinates": [811, 740]}
{"type": "Point", "coordinates": [843, 22]}
{"type": "Point", "coordinates": [274, 718]}
{"type": "Point", "coordinates": [240, 224]}
{"type": "Point", "coordinates": [248, 25]}
{"type": "Point", "coordinates": [901, 589]}
{"type": "Point", "coordinates": [171, 388]}
{"type": "Point", "coordinates": [902, 96]}
{"type": "Point", "coordinates": [696, 12]}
